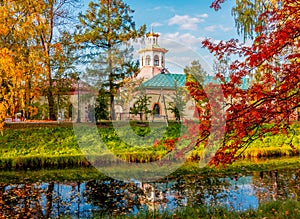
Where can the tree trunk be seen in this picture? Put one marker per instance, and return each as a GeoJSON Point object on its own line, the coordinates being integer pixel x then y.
{"type": "Point", "coordinates": [112, 106]}
{"type": "Point", "coordinates": [111, 85]}
{"type": "Point", "coordinates": [141, 116]}
{"type": "Point", "coordinates": [52, 115]}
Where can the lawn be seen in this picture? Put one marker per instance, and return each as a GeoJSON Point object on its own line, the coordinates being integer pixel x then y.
{"type": "Point", "coordinates": [57, 146]}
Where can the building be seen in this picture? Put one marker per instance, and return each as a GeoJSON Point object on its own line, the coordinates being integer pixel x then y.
{"type": "Point", "coordinates": [157, 83]}
{"type": "Point", "coordinates": [72, 102]}
{"type": "Point", "coordinates": [152, 57]}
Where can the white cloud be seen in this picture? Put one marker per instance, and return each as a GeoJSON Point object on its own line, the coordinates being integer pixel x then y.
{"type": "Point", "coordinates": [225, 29]}
{"type": "Point", "coordinates": [214, 28]}
{"type": "Point", "coordinates": [186, 39]}
{"type": "Point", "coordinates": [211, 28]}
{"type": "Point", "coordinates": [171, 9]}
{"type": "Point", "coordinates": [182, 50]}
{"type": "Point", "coordinates": [203, 15]}
{"type": "Point", "coordinates": [156, 24]}
{"type": "Point", "coordinates": [185, 22]}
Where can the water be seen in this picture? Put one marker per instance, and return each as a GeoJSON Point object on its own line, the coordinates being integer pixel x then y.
{"type": "Point", "coordinates": [85, 198]}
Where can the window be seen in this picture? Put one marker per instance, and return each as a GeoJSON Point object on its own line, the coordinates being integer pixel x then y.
{"type": "Point", "coordinates": [148, 60]}
{"type": "Point", "coordinates": [156, 110]}
{"type": "Point", "coordinates": [70, 109]}
{"type": "Point", "coordinates": [156, 60]}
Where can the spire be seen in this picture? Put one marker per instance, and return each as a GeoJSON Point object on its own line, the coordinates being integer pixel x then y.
{"type": "Point", "coordinates": [152, 38]}
{"type": "Point", "coordinates": [152, 56]}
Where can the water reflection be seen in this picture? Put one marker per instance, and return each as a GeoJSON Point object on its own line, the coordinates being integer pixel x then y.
{"type": "Point", "coordinates": [113, 197]}
{"type": "Point", "coordinates": [276, 185]}
{"type": "Point", "coordinates": [83, 199]}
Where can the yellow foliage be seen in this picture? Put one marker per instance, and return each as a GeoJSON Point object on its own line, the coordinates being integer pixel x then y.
{"type": "Point", "coordinates": [33, 110]}
{"type": "Point", "coordinates": [19, 55]}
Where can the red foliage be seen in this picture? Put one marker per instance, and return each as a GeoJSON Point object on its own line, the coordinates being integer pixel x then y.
{"type": "Point", "coordinates": [216, 4]}
{"type": "Point", "coordinates": [271, 64]}
{"type": "Point", "coordinates": [169, 144]}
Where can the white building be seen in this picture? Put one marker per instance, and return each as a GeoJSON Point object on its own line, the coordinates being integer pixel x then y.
{"type": "Point", "coordinates": [158, 84]}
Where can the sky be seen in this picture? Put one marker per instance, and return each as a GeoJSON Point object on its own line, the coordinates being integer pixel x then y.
{"type": "Point", "coordinates": [182, 25]}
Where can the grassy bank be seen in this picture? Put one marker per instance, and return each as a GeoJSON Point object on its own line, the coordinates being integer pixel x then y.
{"type": "Point", "coordinates": [33, 146]}
{"type": "Point", "coordinates": [275, 145]}
{"type": "Point", "coordinates": [275, 209]}
{"type": "Point", "coordinates": [188, 169]}
{"type": "Point", "coordinates": [57, 146]}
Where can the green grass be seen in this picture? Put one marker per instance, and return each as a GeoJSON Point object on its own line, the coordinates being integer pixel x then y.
{"type": "Point", "coordinates": [57, 146]}
{"type": "Point", "coordinates": [275, 209]}
{"type": "Point", "coordinates": [40, 148]}
{"type": "Point", "coordinates": [186, 170]}
{"type": "Point", "coordinates": [275, 145]}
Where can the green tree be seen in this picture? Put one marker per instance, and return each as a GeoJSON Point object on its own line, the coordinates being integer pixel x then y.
{"type": "Point", "coordinates": [195, 72]}
{"type": "Point", "coordinates": [104, 30]}
{"type": "Point", "coordinates": [127, 92]}
{"type": "Point", "coordinates": [178, 103]}
{"type": "Point", "coordinates": [246, 15]}
{"type": "Point", "coordinates": [101, 106]}
{"type": "Point", "coordinates": [141, 106]}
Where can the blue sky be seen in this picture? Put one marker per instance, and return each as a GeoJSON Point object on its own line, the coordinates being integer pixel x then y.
{"type": "Point", "coordinates": [193, 16]}
{"type": "Point", "coordinates": [182, 25]}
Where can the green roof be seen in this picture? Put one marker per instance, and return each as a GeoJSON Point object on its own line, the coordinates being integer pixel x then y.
{"type": "Point", "coordinates": [165, 81]}
{"type": "Point", "coordinates": [168, 80]}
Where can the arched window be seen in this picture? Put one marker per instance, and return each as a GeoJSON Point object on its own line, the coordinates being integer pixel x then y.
{"type": "Point", "coordinates": [156, 110]}
{"type": "Point", "coordinates": [156, 60]}
{"type": "Point", "coordinates": [142, 60]}
{"type": "Point", "coordinates": [148, 60]}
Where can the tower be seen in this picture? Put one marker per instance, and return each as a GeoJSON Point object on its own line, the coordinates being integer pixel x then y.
{"type": "Point", "coordinates": [152, 57]}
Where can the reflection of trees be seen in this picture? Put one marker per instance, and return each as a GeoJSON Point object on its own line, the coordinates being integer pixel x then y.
{"type": "Point", "coordinates": [20, 201]}
{"type": "Point", "coordinates": [276, 185]}
{"type": "Point", "coordinates": [35, 200]}
{"type": "Point", "coordinates": [112, 196]}
{"type": "Point", "coordinates": [49, 197]}
{"type": "Point", "coordinates": [186, 191]}
{"type": "Point", "coordinates": [200, 190]}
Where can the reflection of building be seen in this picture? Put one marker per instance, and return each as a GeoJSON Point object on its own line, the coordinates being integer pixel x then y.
{"type": "Point", "coordinates": [156, 195]}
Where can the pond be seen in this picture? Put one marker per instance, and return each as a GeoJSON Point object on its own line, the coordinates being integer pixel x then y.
{"type": "Point", "coordinates": [49, 193]}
